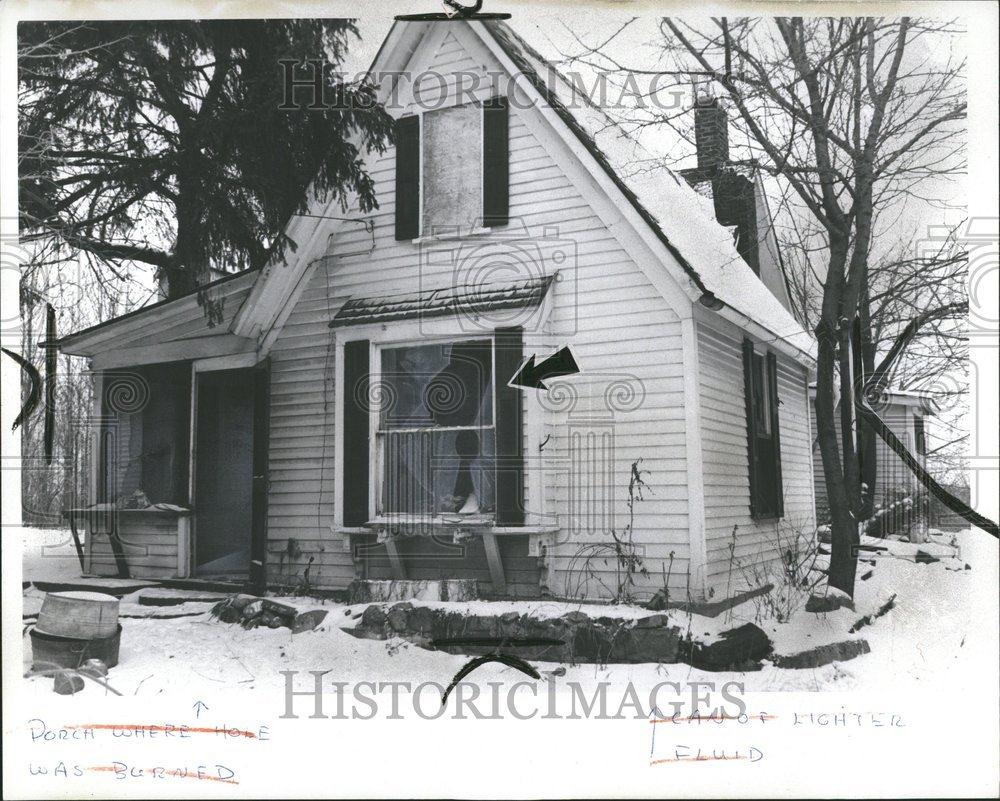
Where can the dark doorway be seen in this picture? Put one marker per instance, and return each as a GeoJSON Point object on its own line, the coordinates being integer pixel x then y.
{"type": "Point", "coordinates": [146, 410]}
{"type": "Point", "coordinates": [224, 472]}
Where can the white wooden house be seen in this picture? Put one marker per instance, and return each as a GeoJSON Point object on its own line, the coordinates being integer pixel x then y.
{"type": "Point", "coordinates": [350, 417]}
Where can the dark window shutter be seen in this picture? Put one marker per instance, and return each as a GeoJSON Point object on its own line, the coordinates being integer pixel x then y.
{"type": "Point", "coordinates": [750, 399]}
{"type": "Point", "coordinates": [496, 163]}
{"type": "Point", "coordinates": [772, 378]}
{"type": "Point", "coordinates": [407, 178]}
{"type": "Point", "coordinates": [509, 431]}
{"type": "Point", "coordinates": [354, 476]}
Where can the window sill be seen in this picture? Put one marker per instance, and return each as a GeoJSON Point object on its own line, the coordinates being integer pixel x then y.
{"type": "Point", "coordinates": [421, 240]}
{"type": "Point", "coordinates": [438, 521]}
{"type": "Point", "coordinates": [478, 524]}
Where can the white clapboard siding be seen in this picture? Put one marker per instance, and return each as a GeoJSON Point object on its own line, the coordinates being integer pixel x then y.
{"type": "Point", "coordinates": [619, 327]}
{"type": "Point", "coordinates": [149, 545]}
{"type": "Point", "coordinates": [726, 466]}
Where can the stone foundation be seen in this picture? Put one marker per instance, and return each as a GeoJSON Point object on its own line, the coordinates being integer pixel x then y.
{"type": "Point", "coordinates": [578, 638]}
{"type": "Point", "coordinates": [824, 654]}
{"type": "Point", "coordinates": [575, 637]}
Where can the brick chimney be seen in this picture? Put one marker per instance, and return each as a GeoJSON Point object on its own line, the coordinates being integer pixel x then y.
{"type": "Point", "coordinates": [711, 133]}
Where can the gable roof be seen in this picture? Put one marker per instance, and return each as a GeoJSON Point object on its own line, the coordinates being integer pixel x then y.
{"type": "Point", "coordinates": [681, 218]}
{"type": "Point", "coordinates": [678, 217]}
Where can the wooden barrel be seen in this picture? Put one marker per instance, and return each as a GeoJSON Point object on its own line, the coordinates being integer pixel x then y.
{"type": "Point", "coordinates": [80, 615]}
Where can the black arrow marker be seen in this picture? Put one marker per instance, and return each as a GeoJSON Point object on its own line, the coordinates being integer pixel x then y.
{"type": "Point", "coordinates": [533, 376]}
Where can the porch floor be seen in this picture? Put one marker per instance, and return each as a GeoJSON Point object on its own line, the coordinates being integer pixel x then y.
{"type": "Point", "coordinates": [50, 564]}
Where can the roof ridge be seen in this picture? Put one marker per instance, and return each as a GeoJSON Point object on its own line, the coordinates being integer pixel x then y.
{"type": "Point", "coordinates": [709, 249]}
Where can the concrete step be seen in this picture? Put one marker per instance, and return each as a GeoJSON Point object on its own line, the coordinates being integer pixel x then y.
{"type": "Point", "coordinates": [169, 596]}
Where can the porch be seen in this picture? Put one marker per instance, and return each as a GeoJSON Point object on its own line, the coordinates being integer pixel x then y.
{"type": "Point", "coordinates": [178, 472]}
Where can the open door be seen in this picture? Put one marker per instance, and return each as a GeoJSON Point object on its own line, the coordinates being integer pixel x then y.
{"type": "Point", "coordinates": [231, 473]}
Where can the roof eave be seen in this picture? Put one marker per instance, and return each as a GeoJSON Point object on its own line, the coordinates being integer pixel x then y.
{"type": "Point", "coordinates": [86, 341]}
{"type": "Point", "coordinates": [694, 288]}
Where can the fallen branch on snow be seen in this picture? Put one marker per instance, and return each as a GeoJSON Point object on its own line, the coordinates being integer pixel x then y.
{"type": "Point", "coordinates": [867, 620]}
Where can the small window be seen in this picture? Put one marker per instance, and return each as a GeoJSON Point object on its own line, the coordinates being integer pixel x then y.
{"type": "Point", "coordinates": [760, 382]}
{"type": "Point", "coordinates": [436, 430]}
{"type": "Point", "coordinates": [762, 396]}
{"type": "Point", "coordinates": [919, 435]}
{"type": "Point", "coordinates": [452, 168]}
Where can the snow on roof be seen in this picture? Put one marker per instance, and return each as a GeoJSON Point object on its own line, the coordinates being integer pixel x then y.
{"type": "Point", "coordinates": [682, 218]}
{"type": "Point", "coordinates": [466, 299]}
{"type": "Point", "coordinates": [927, 402]}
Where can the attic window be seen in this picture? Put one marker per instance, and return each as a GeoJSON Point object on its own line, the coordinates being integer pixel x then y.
{"type": "Point", "coordinates": [452, 170]}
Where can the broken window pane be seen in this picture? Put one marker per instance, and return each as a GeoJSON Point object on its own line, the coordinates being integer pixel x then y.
{"type": "Point", "coordinates": [436, 429]}
{"type": "Point", "coordinates": [440, 385]}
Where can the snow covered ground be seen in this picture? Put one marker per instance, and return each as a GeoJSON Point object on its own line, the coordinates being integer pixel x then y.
{"type": "Point", "coordinates": [942, 629]}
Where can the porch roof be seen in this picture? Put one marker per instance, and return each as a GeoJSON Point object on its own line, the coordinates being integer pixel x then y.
{"type": "Point", "coordinates": [465, 299]}
{"type": "Point", "coordinates": [176, 319]}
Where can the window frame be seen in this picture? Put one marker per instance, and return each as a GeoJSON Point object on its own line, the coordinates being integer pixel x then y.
{"type": "Point", "coordinates": [762, 410]}
{"type": "Point", "coordinates": [377, 479]}
{"type": "Point", "coordinates": [919, 435]}
{"type": "Point", "coordinates": [764, 506]}
{"type": "Point", "coordinates": [447, 328]}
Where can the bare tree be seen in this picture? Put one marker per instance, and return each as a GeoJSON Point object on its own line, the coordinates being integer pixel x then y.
{"type": "Point", "coordinates": [53, 275]}
{"type": "Point", "coordinates": [919, 277]}
{"type": "Point", "coordinates": [82, 289]}
{"type": "Point", "coordinates": [855, 118]}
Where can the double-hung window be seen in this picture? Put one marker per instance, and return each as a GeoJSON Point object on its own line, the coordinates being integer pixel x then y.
{"type": "Point", "coordinates": [436, 433]}
{"type": "Point", "coordinates": [431, 430]}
